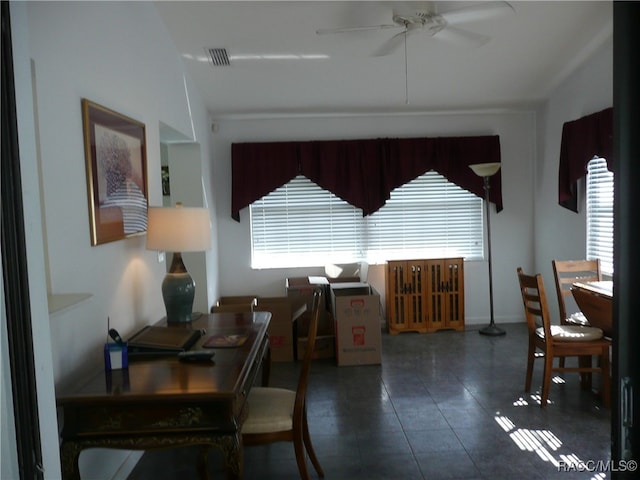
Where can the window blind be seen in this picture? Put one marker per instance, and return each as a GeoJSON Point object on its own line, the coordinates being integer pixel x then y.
{"type": "Point", "coordinates": [427, 217]}
{"type": "Point", "coordinates": [300, 224]}
{"type": "Point", "coordinates": [600, 214]}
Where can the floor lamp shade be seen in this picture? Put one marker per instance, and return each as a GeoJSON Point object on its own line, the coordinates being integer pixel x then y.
{"type": "Point", "coordinates": [177, 230]}
{"type": "Point", "coordinates": [486, 170]}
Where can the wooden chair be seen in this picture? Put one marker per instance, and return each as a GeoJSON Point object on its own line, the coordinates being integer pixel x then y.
{"type": "Point", "coordinates": [280, 415]}
{"type": "Point", "coordinates": [549, 341]}
{"type": "Point", "coordinates": [566, 273]}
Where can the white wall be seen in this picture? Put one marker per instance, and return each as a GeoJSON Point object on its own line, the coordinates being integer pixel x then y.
{"type": "Point", "coordinates": [117, 54]}
{"type": "Point", "coordinates": [511, 229]}
{"type": "Point", "coordinates": [561, 233]}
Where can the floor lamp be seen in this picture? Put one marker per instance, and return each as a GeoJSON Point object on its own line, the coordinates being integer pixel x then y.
{"type": "Point", "coordinates": [486, 170]}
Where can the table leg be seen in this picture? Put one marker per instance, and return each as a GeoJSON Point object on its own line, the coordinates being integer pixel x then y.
{"type": "Point", "coordinates": [69, 456]}
{"type": "Point", "coordinates": [233, 455]}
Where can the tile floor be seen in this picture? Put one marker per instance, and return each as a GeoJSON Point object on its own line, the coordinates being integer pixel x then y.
{"type": "Point", "coordinates": [447, 405]}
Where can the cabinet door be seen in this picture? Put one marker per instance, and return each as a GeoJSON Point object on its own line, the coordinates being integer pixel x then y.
{"type": "Point", "coordinates": [454, 308]}
{"type": "Point", "coordinates": [445, 293]}
{"type": "Point", "coordinates": [415, 296]}
{"type": "Point", "coordinates": [405, 296]}
{"type": "Point", "coordinates": [396, 308]}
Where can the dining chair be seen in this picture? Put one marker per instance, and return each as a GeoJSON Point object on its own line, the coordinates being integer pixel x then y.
{"type": "Point", "coordinates": [280, 415]}
{"type": "Point", "coordinates": [566, 273]}
{"type": "Point", "coordinates": [549, 341]}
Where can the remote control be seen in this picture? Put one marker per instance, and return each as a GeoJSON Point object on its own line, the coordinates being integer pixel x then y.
{"type": "Point", "coordinates": [196, 356]}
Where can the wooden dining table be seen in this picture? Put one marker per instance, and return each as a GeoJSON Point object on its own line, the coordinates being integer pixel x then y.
{"type": "Point", "coordinates": [163, 402]}
{"type": "Point", "coordinates": [595, 300]}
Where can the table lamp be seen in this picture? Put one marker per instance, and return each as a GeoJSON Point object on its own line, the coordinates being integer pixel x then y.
{"type": "Point", "coordinates": [178, 229]}
{"type": "Point", "coordinates": [486, 170]}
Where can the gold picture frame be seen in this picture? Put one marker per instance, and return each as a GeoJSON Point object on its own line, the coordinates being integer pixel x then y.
{"type": "Point", "coordinates": [116, 165]}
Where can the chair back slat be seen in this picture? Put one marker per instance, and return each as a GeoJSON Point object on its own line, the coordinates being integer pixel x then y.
{"type": "Point", "coordinates": [566, 273]}
{"type": "Point", "coordinates": [534, 299]}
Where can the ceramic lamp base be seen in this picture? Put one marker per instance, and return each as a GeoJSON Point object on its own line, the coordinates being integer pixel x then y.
{"type": "Point", "coordinates": [178, 292]}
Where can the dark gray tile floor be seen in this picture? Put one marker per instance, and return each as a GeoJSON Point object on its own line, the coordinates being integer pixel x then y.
{"type": "Point", "coordinates": [447, 405]}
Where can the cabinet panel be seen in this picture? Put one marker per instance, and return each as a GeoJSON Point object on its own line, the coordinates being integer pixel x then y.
{"type": "Point", "coordinates": [405, 296]}
{"type": "Point", "coordinates": [425, 295]}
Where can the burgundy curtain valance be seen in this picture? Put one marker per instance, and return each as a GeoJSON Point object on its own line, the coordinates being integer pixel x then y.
{"type": "Point", "coordinates": [582, 139]}
{"type": "Point", "coordinates": [361, 172]}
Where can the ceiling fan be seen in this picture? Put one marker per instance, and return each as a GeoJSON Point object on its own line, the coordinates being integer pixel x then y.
{"type": "Point", "coordinates": [427, 19]}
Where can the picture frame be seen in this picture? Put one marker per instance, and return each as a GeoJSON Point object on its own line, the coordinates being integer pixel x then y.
{"type": "Point", "coordinates": [116, 168]}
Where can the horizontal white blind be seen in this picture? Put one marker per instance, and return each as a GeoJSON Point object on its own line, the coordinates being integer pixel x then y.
{"type": "Point", "coordinates": [300, 224]}
{"type": "Point", "coordinates": [600, 214]}
{"type": "Point", "coordinates": [427, 217]}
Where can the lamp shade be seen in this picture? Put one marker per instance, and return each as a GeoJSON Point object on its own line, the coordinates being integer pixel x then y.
{"type": "Point", "coordinates": [485, 169]}
{"type": "Point", "coordinates": [178, 229]}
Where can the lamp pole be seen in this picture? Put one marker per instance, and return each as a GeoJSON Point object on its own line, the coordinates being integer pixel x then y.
{"type": "Point", "coordinates": [491, 329]}
{"type": "Point", "coordinates": [486, 170]}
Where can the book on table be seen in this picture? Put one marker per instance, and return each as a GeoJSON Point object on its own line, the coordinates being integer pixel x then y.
{"type": "Point", "coordinates": [162, 340]}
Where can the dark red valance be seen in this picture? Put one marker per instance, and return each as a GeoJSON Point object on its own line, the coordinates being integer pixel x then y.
{"type": "Point", "coordinates": [582, 139]}
{"type": "Point", "coordinates": [361, 172]}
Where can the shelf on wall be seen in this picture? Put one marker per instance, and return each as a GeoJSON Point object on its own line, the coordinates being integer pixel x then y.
{"type": "Point", "coordinates": [60, 301]}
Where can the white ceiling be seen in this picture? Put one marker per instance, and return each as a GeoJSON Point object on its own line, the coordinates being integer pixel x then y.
{"type": "Point", "coordinates": [531, 51]}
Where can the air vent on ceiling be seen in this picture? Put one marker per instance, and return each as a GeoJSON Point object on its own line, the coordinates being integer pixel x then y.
{"type": "Point", "coordinates": [219, 57]}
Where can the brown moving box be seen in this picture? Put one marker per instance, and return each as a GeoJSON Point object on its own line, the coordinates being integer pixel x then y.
{"type": "Point", "coordinates": [303, 287]}
{"type": "Point", "coordinates": [281, 332]}
{"type": "Point", "coordinates": [238, 299]}
{"type": "Point", "coordinates": [325, 347]}
{"type": "Point", "coordinates": [356, 308]}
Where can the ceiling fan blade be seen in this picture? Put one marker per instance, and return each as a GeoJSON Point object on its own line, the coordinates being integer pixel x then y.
{"type": "Point", "coordinates": [324, 31]}
{"type": "Point", "coordinates": [391, 45]}
{"type": "Point", "coordinates": [396, 41]}
{"type": "Point", "coordinates": [462, 37]}
{"type": "Point", "coordinates": [481, 11]}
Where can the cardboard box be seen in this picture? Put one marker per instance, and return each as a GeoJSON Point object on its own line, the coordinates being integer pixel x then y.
{"type": "Point", "coordinates": [303, 287]}
{"type": "Point", "coordinates": [238, 299]}
{"type": "Point", "coordinates": [325, 324]}
{"type": "Point", "coordinates": [325, 347]}
{"type": "Point", "coordinates": [356, 309]}
{"type": "Point", "coordinates": [350, 272]}
{"type": "Point", "coordinates": [281, 333]}
{"type": "Point", "coordinates": [325, 329]}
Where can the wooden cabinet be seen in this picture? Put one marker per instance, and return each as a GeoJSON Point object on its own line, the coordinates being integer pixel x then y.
{"type": "Point", "coordinates": [425, 295]}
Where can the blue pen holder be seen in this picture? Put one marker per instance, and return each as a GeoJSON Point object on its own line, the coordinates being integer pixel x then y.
{"type": "Point", "coordinates": [115, 356]}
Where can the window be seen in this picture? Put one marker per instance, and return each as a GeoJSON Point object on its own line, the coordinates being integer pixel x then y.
{"type": "Point", "coordinates": [600, 214]}
{"type": "Point", "coordinates": [300, 224]}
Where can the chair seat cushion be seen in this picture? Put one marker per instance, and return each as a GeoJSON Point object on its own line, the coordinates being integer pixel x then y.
{"type": "Point", "coordinates": [270, 410]}
{"type": "Point", "coordinates": [572, 333]}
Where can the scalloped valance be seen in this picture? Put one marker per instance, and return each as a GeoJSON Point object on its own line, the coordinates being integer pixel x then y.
{"type": "Point", "coordinates": [361, 172]}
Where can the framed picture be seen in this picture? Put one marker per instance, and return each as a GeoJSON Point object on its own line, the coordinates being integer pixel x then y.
{"type": "Point", "coordinates": [116, 163]}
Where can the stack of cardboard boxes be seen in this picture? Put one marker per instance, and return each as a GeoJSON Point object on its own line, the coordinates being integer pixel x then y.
{"type": "Point", "coordinates": [284, 311]}
{"type": "Point", "coordinates": [349, 327]}
{"type": "Point", "coordinates": [351, 330]}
